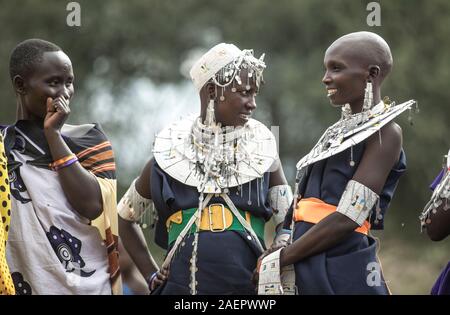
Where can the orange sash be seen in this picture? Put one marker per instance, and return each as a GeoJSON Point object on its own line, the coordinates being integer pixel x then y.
{"type": "Point", "coordinates": [314, 210]}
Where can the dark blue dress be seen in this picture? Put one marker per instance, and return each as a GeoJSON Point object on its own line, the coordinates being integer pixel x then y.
{"type": "Point", "coordinates": [226, 260]}
{"type": "Point", "coordinates": [351, 266]}
{"type": "Point", "coordinates": [442, 284]}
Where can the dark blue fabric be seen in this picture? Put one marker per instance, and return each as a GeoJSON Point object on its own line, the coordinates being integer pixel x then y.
{"type": "Point", "coordinates": [225, 264]}
{"type": "Point", "coordinates": [328, 178]}
{"type": "Point", "coordinates": [437, 180]}
{"type": "Point", "coordinates": [344, 269]}
{"type": "Point", "coordinates": [442, 285]}
{"type": "Point", "coordinates": [226, 260]}
{"type": "Point", "coordinates": [170, 196]}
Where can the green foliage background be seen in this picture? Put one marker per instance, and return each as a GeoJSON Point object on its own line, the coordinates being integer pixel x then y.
{"type": "Point", "coordinates": [151, 39]}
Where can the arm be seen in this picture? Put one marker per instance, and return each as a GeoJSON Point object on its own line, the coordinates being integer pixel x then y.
{"type": "Point", "coordinates": [80, 187]}
{"type": "Point", "coordinates": [437, 222]}
{"type": "Point", "coordinates": [277, 177]}
{"type": "Point", "coordinates": [438, 227]}
{"type": "Point", "coordinates": [130, 232]}
{"type": "Point", "coordinates": [372, 172]}
{"type": "Point", "coordinates": [436, 217]}
{"type": "Point", "coordinates": [130, 274]}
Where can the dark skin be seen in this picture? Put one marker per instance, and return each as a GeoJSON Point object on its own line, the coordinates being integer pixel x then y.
{"type": "Point", "coordinates": [348, 72]}
{"type": "Point", "coordinates": [130, 275]}
{"type": "Point", "coordinates": [438, 223]}
{"type": "Point", "coordinates": [229, 113]}
{"type": "Point", "coordinates": [133, 238]}
{"type": "Point", "coordinates": [43, 96]}
{"type": "Point", "coordinates": [439, 227]}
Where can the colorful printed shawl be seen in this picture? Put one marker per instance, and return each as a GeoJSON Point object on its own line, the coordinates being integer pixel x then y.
{"type": "Point", "coordinates": [52, 249]}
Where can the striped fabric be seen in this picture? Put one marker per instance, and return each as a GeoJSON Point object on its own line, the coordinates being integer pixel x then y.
{"type": "Point", "coordinates": [98, 159]}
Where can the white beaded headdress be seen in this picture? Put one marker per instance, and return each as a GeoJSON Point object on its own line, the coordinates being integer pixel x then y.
{"type": "Point", "coordinates": [222, 64]}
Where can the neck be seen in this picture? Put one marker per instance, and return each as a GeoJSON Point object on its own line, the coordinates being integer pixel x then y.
{"type": "Point", "coordinates": [22, 114]}
{"type": "Point", "coordinates": [357, 106]}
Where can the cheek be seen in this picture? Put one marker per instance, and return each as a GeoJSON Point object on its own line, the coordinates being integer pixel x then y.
{"type": "Point", "coordinates": [351, 84]}
{"type": "Point", "coordinates": [359, 88]}
{"type": "Point", "coordinates": [44, 92]}
{"type": "Point", "coordinates": [220, 110]}
{"type": "Point", "coordinates": [237, 101]}
{"type": "Point", "coordinates": [232, 103]}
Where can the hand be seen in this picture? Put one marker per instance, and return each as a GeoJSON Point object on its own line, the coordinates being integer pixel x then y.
{"type": "Point", "coordinates": [161, 276]}
{"type": "Point", "coordinates": [280, 241]}
{"type": "Point", "coordinates": [57, 112]}
{"type": "Point", "coordinates": [255, 276]}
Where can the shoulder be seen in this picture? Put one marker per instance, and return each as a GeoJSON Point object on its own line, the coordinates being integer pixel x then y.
{"type": "Point", "coordinates": [392, 131]}
{"type": "Point", "coordinates": [383, 149]}
{"type": "Point", "coordinates": [388, 139]}
{"type": "Point", "coordinates": [81, 130]}
{"type": "Point", "coordinates": [92, 147]}
{"type": "Point", "coordinates": [382, 152]}
{"type": "Point", "coordinates": [88, 134]}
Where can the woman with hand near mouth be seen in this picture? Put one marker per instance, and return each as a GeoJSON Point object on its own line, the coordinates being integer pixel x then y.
{"type": "Point", "coordinates": [63, 232]}
{"type": "Point", "coordinates": [344, 185]}
{"type": "Point", "coordinates": [215, 180]}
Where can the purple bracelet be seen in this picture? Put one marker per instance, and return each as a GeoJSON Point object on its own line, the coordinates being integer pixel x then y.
{"type": "Point", "coordinates": [65, 164]}
{"type": "Point", "coordinates": [150, 279]}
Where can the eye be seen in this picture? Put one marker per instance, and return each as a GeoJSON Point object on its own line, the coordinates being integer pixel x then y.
{"type": "Point", "coordinates": [335, 68]}
{"type": "Point", "coordinates": [249, 92]}
{"type": "Point", "coordinates": [55, 81]}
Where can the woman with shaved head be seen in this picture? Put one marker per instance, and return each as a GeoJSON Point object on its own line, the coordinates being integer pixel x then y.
{"type": "Point", "coordinates": [345, 184]}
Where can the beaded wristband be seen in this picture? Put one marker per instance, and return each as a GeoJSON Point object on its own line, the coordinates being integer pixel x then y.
{"type": "Point", "coordinates": [63, 162]}
{"type": "Point", "coordinates": [68, 163]}
{"type": "Point", "coordinates": [149, 279]}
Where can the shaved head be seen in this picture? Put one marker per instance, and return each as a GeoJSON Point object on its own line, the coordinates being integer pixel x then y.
{"type": "Point", "coordinates": [366, 47]}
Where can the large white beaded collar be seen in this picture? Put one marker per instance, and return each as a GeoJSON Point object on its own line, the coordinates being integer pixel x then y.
{"type": "Point", "coordinates": [214, 158]}
{"type": "Point", "coordinates": [352, 129]}
{"type": "Point", "coordinates": [441, 195]}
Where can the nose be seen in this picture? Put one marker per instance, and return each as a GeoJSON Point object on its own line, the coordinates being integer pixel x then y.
{"type": "Point", "coordinates": [251, 104]}
{"type": "Point", "coordinates": [326, 78]}
{"type": "Point", "coordinates": [66, 92]}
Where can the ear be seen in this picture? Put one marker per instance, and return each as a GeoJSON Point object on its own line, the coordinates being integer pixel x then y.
{"type": "Point", "coordinates": [374, 71]}
{"type": "Point", "coordinates": [19, 84]}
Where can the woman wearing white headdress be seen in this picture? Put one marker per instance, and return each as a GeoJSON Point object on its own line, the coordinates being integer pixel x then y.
{"type": "Point", "coordinates": [215, 179]}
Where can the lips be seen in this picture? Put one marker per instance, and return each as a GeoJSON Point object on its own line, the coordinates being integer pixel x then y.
{"type": "Point", "coordinates": [245, 116]}
{"type": "Point", "coordinates": [331, 92]}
